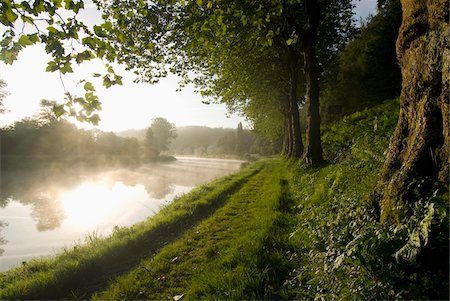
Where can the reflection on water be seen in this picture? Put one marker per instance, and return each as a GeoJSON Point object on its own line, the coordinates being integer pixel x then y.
{"type": "Point", "coordinates": [42, 211]}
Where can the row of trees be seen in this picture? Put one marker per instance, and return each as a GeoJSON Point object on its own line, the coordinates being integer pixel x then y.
{"type": "Point", "coordinates": [249, 55]}
{"type": "Point", "coordinates": [284, 49]}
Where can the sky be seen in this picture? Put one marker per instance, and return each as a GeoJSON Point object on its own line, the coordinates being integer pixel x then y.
{"type": "Point", "coordinates": [123, 107]}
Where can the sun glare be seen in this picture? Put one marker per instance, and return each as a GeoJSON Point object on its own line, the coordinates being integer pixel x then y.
{"type": "Point", "coordinates": [92, 203]}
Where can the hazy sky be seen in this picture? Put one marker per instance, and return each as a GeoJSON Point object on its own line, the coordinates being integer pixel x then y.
{"type": "Point", "coordinates": [124, 107]}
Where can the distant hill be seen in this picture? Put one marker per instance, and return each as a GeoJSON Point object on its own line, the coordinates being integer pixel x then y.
{"type": "Point", "coordinates": [191, 140]}
{"type": "Point", "coordinates": [133, 133]}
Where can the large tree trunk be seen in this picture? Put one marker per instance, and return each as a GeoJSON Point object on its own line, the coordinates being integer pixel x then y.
{"type": "Point", "coordinates": [313, 150]}
{"type": "Point", "coordinates": [420, 144]}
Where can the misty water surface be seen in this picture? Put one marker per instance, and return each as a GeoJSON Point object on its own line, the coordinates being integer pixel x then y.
{"type": "Point", "coordinates": [43, 211]}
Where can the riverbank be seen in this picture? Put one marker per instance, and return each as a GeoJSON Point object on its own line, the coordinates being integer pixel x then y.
{"type": "Point", "coordinates": [275, 230]}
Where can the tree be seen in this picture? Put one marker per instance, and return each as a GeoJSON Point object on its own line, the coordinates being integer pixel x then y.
{"type": "Point", "coordinates": [158, 136]}
{"type": "Point", "coordinates": [150, 150]}
{"type": "Point", "coordinates": [46, 114]}
{"type": "Point", "coordinates": [366, 71]}
{"type": "Point", "coordinates": [420, 144]}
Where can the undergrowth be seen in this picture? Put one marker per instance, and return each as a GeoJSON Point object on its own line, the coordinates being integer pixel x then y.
{"type": "Point", "coordinates": [345, 253]}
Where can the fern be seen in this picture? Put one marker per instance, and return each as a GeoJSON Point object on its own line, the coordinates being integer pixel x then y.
{"type": "Point", "coordinates": [418, 236]}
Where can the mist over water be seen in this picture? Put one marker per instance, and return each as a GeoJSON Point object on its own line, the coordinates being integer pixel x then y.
{"type": "Point", "coordinates": [42, 211]}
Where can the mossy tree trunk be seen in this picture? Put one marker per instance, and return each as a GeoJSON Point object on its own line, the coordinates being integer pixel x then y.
{"type": "Point", "coordinates": [420, 144]}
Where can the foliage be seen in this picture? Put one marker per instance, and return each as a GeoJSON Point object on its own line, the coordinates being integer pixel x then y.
{"type": "Point", "coordinates": [198, 41]}
{"type": "Point", "coordinates": [344, 252]}
{"type": "Point", "coordinates": [48, 141]}
{"type": "Point", "coordinates": [159, 136]}
{"type": "Point", "coordinates": [367, 71]}
{"type": "Point", "coordinates": [56, 24]}
{"type": "Point", "coordinates": [285, 231]}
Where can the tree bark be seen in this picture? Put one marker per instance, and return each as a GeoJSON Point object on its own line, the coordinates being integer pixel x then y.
{"type": "Point", "coordinates": [287, 129]}
{"type": "Point", "coordinates": [296, 144]}
{"type": "Point", "coordinates": [420, 144]}
{"type": "Point", "coordinates": [313, 150]}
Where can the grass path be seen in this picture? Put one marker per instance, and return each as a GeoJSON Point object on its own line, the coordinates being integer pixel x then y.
{"type": "Point", "coordinates": [223, 257]}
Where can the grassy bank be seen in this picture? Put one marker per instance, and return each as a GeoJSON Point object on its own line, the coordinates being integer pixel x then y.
{"type": "Point", "coordinates": [276, 230]}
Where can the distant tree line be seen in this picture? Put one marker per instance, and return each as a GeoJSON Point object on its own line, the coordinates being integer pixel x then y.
{"type": "Point", "coordinates": [202, 141]}
{"type": "Point", "coordinates": [47, 141]}
{"type": "Point", "coordinates": [222, 142]}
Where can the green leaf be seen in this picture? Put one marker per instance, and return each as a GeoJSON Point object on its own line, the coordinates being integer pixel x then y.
{"type": "Point", "coordinates": [199, 2]}
{"type": "Point", "coordinates": [94, 119]}
{"type": "Point", "coordinates": [10, 16]}
{"type": "Point", "coordinates": [58, 110]}
{"type": "Point", "coordinates": [118, 80]}
{"type": "Point", "coordinates": [27, 19]}
{"type": "Point", "coordinates": [79, 58]}
{"type": "Point", "coordinates": [88, 86]}
{"type": "Point", "coordinates": [69, 4]}
{"type": "Point", "coordinates": [38, 7]}
{"type": "Point", "coordinates": [97, 75]}
{"type": "Point", "coordinates": [91, 99]}
{"type": "Point", "coordinates": [25, 40]}
{"type": "Point", "coordinates": [89, 42]}
{"type": "Point", "coordinates": [289, 41]}
{"type": "Point", "coordinates": [98, 30]}
{"type": "Point", "coordinates": [107, 26]}
{"type": "Point", "coordinates": [82, 56]}
{"type": "Point", "coordinates": [52, 29]}
{"type": "Point", "coordinates": [107, 81]}
{"type": "Point", "coordinates": [67, 68]}
{"type": "Point", "coordinates": [34, 38]}
{"type": "Point", "coordinates": [244, 20]}
{"type": "Point", "coordinates": [51, 67]}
